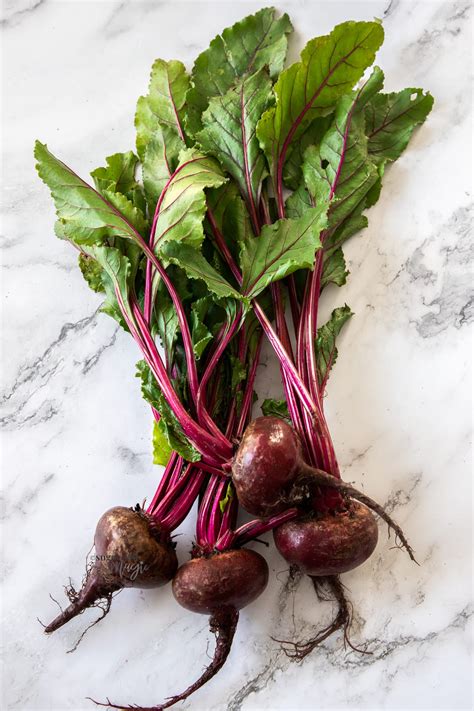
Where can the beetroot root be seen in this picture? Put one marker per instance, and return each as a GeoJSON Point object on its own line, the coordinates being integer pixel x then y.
{"type": "Point", "coordinates": [131, 551]}
{"type": "Point", "coordinates": [330, 543]}
{"type": "Point", "coordinates": [233, 578]}
{"type": "Point", "coordinates": [220, 585]}
{"type": "Point", "coordinates": [329, 589]}
{"type": "Point", "coordinates": [270, 475]}
{"type": "Point", "coordinates": [265, 465]}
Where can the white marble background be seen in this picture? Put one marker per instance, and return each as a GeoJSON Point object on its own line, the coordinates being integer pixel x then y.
{"type": "Point", "coordinates": [76, 434]}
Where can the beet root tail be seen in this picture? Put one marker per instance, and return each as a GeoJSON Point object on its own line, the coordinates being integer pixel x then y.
{"type": "Point", "coordinates": [317, 477]}
{"type": "Point", "coordinates": [330, 589]}
{"type": "Point", "coordinates": [223, 624]}
{"type": "Point", "coordinates": [88, 596]}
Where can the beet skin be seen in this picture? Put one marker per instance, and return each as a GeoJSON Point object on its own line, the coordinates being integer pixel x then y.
{"type": "Point", "coordinates": [218, 585]}
{"type": "Point", "coordinates": [266, 464]}
{"type": "Point", "coordinates": [233, 579]}
{"type": "Point", "coordinates": [329, 544]}
{"type": "Point", "coordinates": [131, 551]}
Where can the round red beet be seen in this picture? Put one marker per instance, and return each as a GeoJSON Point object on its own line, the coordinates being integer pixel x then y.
{"type": "Point", "coordinates": [231, 579]}
{"type": "Point", "coordinates": [266, 463]}
{"type": "Point", "coordinates": [329, 544]}
{"type": "Point", "coordinates": [131, 551]}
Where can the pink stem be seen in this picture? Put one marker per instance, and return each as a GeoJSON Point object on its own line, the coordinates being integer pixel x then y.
{"type": "Point", "coordinates": [215, 515]}
{"type": "Point", "coordinates": [229, 517]}
{"type": "Point", "coordinates": [253, 529]}
{"type": "Point", "coordinates": [294, 305]}
{"type": "Point", "coordinates": [183, 323]}
{"type": "Point", "coordinates": [312, 326]}
{"type": "Point", "coordinates": [247, 400]}
{"type": "Point", "coordinates": [166, 503]}
{"type": "Point", "coordinates": [202, 413]}
{"type": "Point", "coordinates": [154, 262]}
{"type": "Point", "coordinates": [283, 356]}
{"type": "Point", "coordinates": [182, 507]}
{"type": "Point", "coordinates": [223, 248]}
{"type": "Point", "coordinates": [200, 438]}
{"type": "Point", "coordinates": [286, 361]}
{"type": "Point", "coordinates": [164, 483]}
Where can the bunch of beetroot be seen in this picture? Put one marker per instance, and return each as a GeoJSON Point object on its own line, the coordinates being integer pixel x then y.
{"type": "Point", "coordinates": [252, 177]}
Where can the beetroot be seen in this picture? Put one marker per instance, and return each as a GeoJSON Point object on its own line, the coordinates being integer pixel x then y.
{"type": "Point", "coordinates": [131, 551]}
{"type": "Point", "coordinates": [331, 543]}
{"type": "Point", "coordinates": [270, 475]}
{"type": "Point", "coordinates": [267, 462]}
{"type": "Point", "coordinates": [233, 578]}
{"type": "Point", "coordinates": [218, 584]}
{"type": "Point", "coordinates": [332, 534]}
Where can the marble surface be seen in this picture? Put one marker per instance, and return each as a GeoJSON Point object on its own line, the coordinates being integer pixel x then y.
{"type": "Point", "coordinates": [76, 434]}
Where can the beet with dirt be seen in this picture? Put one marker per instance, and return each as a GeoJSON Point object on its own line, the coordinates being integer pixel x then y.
{"type": "Point", "coordinates": [131, 551]}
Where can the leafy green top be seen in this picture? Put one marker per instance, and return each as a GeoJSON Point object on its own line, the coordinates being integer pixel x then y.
{"type": "Point", "coordinates": [211, 146]}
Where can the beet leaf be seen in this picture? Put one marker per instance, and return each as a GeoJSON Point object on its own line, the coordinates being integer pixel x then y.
{"type": "Point", "coordinates": [281, 249]}
{"type": "Point", "coordinates": [229, 134]}
{"type": "Point", "coordinates": [326, 341]}
{"type": "Point", "coordinates": [329, 68]}
{"type": "Point", "coordinates": [229, 58]}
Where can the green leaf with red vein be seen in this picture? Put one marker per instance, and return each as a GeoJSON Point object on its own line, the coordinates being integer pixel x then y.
{"type": "Point", "coordinates": [334, 269]}
{"type": "Point", "coordinates": [292, 173]}
{"type": "Point", "coordinates": [118, 176]}
{"type": "Point", "coordinates": [229, 134]}
{"type": "Point", "coordinates": [298, 202]}
{"type": "Point", "coordinates": [326, 351]}
{"type": "Point", "coordinates": [165, 103]}
{"type": "Point", "coordinates": [183, 203]}
{"type": "Point", "coordinates": [92, 272]}
{"type": "Point", "coordinates": [275, 408]}
{"type": "Point", "coordinates": [196, 266]}
{"type": "Point", "coordinates": [160, 161]}
{"type": "Point", "coordinates": [281, 249]}
{"type": "Point", "coordinates": [169, 428]}
{"type": "Point", "coordinates": [340, 168]}
{"type": "Point", "coordinates": [257, 41]}
{"type": "Point", "coordinates": [162, 449]}
{"type": "Point", "coordinates": [159, 122]}
{"type": "Point", "coordinates": [165, 321]}
{"type": "Point", "coordinates": [200, 334]}
{"type": "Point", "coordinates": [229, 216]}
{"type": "Point", "coordinates": [86, 217]}
{"type": "Point", "coordinates": [348, 228]}
{"type": "Point", "coordinates": [117, 279]}
{"type": "Point", "coordinates": [391, 120]}
{"type": "Point", "coordinates": [329, 68]}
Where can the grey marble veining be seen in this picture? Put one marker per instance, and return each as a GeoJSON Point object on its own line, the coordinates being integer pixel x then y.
{"type": "Point", "coordinates": [76, 434]}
